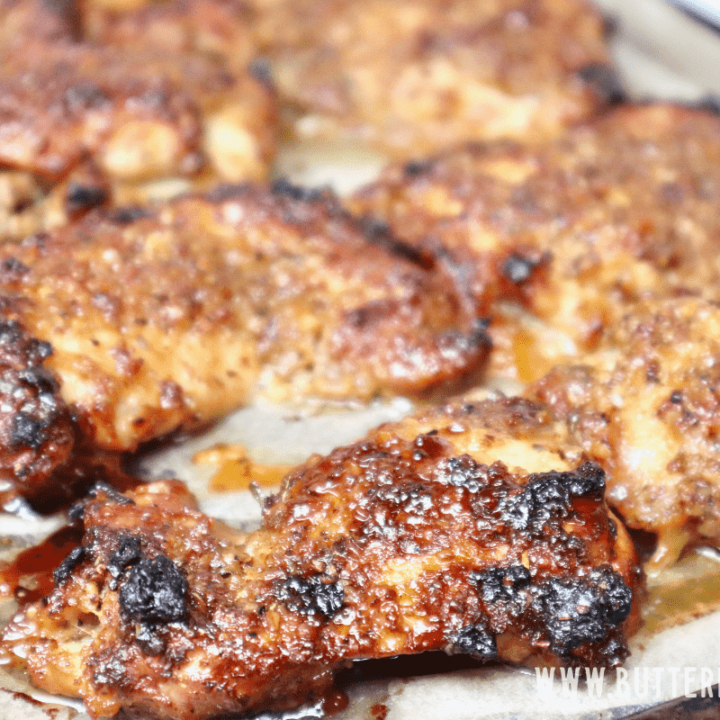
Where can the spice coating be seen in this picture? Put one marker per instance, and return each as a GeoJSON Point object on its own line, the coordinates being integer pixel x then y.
{"type": "Point", "coordinates": [369, 552]}
{"type": "Point", "coordinates": [89, 117]}
{"type": "Point", "coordinates": [178, 314]}
{"type": "Point", "coordinates": [572, 231]}
{"type": "Point", "coordinates": [413, 76]}
{"type": "Point", "coordinates": [646, 406]}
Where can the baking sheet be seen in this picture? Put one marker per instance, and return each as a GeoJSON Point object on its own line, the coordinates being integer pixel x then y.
{"type": "Point", "coordinates": [660, 52]}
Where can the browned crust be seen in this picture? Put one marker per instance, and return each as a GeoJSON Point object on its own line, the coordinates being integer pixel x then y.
{"type": "Point", "coordinates": [621, 208]}
{"type": "Point", "coordinates": [412, 77]}
{"type": "Point", "coordinates": [148, 119]}
{"type": "Point", "coordinates": [416, 538]}
{"type": "Point", "coordinates": [647, 407]}
{"type": "Point", "coordinates": [36, 431]}
{"type": "Point", "coordinates": [217, 28]}
{"type": "Point", "coordinates": [174, 316]}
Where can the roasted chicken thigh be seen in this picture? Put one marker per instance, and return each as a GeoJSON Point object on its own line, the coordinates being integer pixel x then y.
{"type": "Point", "coordinates": [558, 240]}
{"type": "Point", "coordinates": [156, 319]}
{"type": "Point", "coordinates": [476, 529]}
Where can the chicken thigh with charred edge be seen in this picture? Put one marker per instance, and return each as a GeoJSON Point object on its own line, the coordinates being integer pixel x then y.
{"type": "Point", "coordinates": [44, 460]}
{"type": "Point", "coordinates": [173, 316]}
{"type": "Point", "coordinates": [477, 529]}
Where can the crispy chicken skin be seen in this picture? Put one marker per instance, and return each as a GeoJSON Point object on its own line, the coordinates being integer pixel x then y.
{"type": "Point", "coordinates": [404, 76]}
{"type": "Point", "coordinates": [647, 407]}
{"type": "Point", "coordinates": [139, 118]}
{"type": "Point", "coordinates": [174, 316]}
{"type": "Point", "coordinates": [150, 99]}
{"type": "Point", "coordinates": [620, 208]}
{"type": "Point", "coordinates": [84, 122]}
{"type": "Point", "coordinates": [44, 458]}
{"type": "Point", "coordinates": [36, 430]}
{"type": "Point", "coordinates": [470, 529]}
{"type": "Point", "coordinates": [412, 76]}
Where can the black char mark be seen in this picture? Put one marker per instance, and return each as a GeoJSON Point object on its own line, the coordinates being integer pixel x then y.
{"type": "Point", "coordinates": [26, 431]}
{"type": "Point", "coordinates": [603, 79]}
{"type": "Point", "coordinates": [549, 495]}
{"type": "Point", "coordinates": [379, 233]}
{"type": "Point", "coordinates": [80, 198]}
{"type": "Point", "coordinates": [30, 388]}
{"type": "Point", "coordinates": [284, 188]}
{"type": "Point", "coordinates": [417, 167]}
{"type": "Point", "coordinates": [580, 610]}
{"type": "Point", "coordinates": [474, 640]}
{"type": "Point", "coordinates": [155, 591]}
{"type": "Point", "coordinates": [128, 553]}
{"type": "Point", "coordinates": [311, 596]}
{"type": "Point", "coordinates": [128, 215]}
{"type": "Point", "coordinates": [505, 585]}
{"type": "Point", "coordinates": [13, 267]}
{"type": "Point", "coordinates": [63, 571]}
{"type": "Point", "coordinates": [77, 510]}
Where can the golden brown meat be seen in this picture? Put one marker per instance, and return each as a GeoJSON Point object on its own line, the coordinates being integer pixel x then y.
{"type": "Point", "coordinates": [83, 123]}
{"type": "Point", "coordinates": [138, 118]}
{"type": "Point", "coordinates": [620, 208]}
{"type": "Point", "coordinates": [175, 316]}
{"type": "Point", "coordinates": [647, 407]}
{"type": "Point", "coordinates": [412, 76]}
{"type": "Point", "coordinates": [474, 530]}
{"type": "Point", "coordinates": [159, 97]}
{"type": "Point", "coordinates": [223, 29]}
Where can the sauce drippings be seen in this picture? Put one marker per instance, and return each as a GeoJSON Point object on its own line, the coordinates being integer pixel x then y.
{"type": "Point", "coordinates": [29, 576]}
{"type": "Point", "coordinates": [334, 701]}
{"type": "Point", "coordinates": [236, 470]}
{"type": "Point", "coordinates": [686, 591]}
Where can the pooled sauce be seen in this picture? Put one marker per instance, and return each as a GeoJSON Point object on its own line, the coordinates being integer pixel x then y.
{"type": "Point", "coordinates": [335, 701]}
{"type": "Point", "coordinates": [29, 576]}
{"type": "Point", "coordinates": [684, 592]}
{"type": "Point", "coordinates": [236, 470]}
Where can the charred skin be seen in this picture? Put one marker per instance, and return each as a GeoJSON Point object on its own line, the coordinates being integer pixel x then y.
{"type": "Point", "coordinates": [36, 431]}
{"type": "Point", "coordinates": [145, 121]}
{"type": "Point", "coordinates": [412, 77]}
{"type": "Point", "coordinates": [87, 102]}
{"type": "Point", "coordinates": [43, 458]}
{"type": "Point", "coordinates": [571, 232]}
{"type": "Point", "coordinates": [416, 538]}
{"type": "Point", "coordinates": [173, 316]}
{"type": "Point", "coordinates": [646, 406]}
